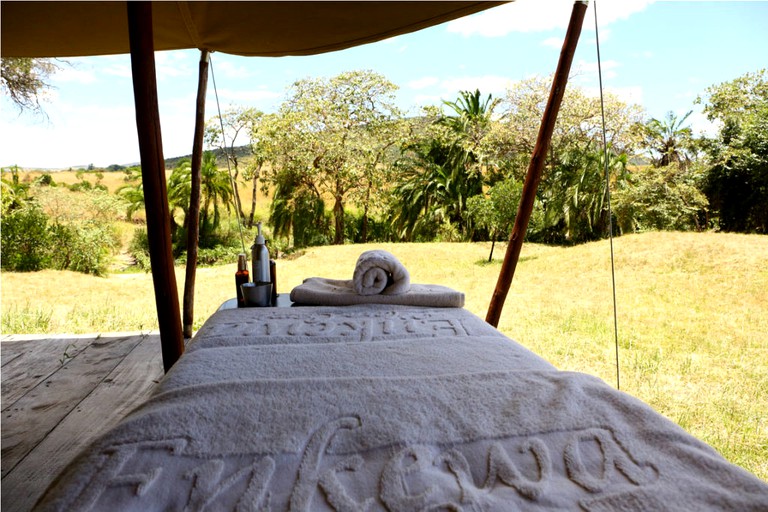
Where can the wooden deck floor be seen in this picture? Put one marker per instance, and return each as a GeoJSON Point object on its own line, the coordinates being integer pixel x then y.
{"type": "Point", "coordinates": [58, 394]}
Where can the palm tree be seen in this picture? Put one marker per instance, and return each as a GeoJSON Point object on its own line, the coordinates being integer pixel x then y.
{"type": "Point", "coordinates": [668, 140]}
{"type": "Point", "coordinates": [575, 199]}
{"type": "Point", "coordinates": [444, 169]}
{"type": "Point", "coordinates": [215, 189]}
{"type": "Point", "coordinates": [133, 195]}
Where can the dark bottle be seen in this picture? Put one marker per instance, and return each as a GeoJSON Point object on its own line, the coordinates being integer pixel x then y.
{"type": "Point", "coordinates": [273, 278]}
{"type": "Point", "coordinates": [241, 277]}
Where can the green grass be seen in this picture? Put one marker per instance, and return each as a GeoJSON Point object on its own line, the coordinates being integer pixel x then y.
{"type": "Point", "coordinates": [692, 315]}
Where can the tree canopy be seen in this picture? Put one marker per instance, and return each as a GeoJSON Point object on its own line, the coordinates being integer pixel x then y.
{"type": "Point", "coordinates": [25, 80]}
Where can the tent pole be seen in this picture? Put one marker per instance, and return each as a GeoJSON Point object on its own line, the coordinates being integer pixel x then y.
{"type": "Point", "coordinates": [153, 179]}
{"type": "Point", "coordinates": [535, 168]}
{"type": "Point", "coordinates": [193, 217]}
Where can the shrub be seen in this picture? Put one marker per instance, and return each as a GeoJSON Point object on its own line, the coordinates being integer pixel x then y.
{"type": "Point", "coordinates": [139, 249]}
{"type": "Point", "coordinates": [83, 247]}
{"type": "Point", "coordinates": [25, 239]}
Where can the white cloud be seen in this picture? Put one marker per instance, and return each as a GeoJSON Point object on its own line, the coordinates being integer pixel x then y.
{"type": "Point", "coordinates": [174, 64]}
{"type": "Point", "coordinates": [120, 70]}
{"type": "Point", "coordinates": [553, 42]}
{"type": "Point", "coordinates": [632, 95]}
{"type": "Point", "coordinates": [435, 91]}
{"type": "Point", "coordinates": [540, 15]}
{"type": "Point", "coordinates": [72, 74]}
{"type": "Point", "coordinates": [700, 124]}
{"type": "Point", "coordinates": [229, 70]}
{"type": "Point", "coordinates": [583, 71]}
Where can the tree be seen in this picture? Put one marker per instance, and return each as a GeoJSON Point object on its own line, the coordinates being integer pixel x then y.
{"type": "Point", "coordinates": [496, 210]}
{"type": "Point", "coordinates": [579, 123]}
{"type": "Point", "coordinates": [570, 205]}
{"type": "Point", "coordinates": [326, 136]}
{"type": "Point", "coordinates": [443, 166]}
{"type": "Point", "coordinates": [236, 121]}
{"type": "Point", "coordinates": [215, 189]}
{"type": "Point", "coordinates": [661, 198]}
{"type": "Point", "coordinates": [25, 80]}
{"type": "Point", "coordinates": [574, 195]}
{"type": "Point", "coordinates": [737, 179]}
{"type": "Point", "coordinates": [668, 141]}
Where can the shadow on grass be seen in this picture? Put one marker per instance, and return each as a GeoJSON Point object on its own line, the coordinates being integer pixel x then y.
{"type": "Point", "coordinates": [499, 261]}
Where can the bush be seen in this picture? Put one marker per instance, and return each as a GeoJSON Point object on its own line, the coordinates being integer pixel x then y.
{"type": "Point", "coordinates": [83, 247]}
{"type": "Point", "coordinates": [139, 249]}
{"type": "Point", "coordinates": [25, 239]}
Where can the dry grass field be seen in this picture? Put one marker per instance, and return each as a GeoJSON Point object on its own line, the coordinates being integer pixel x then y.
{"type": "Point", "coordinates": [692, 315]}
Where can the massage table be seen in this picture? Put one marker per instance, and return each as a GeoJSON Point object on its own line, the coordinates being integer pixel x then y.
{"type": "Point", "coordinates": [387, 407]}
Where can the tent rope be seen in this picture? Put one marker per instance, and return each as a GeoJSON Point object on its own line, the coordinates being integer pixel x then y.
{"type": "Point", "coordinates": [226, 153]}
{"type": "Point", "coordinates": [608, 196]}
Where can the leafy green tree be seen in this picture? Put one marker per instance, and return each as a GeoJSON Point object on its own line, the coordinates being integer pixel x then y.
{"type": "Point", "coordinates": [579, 123]}
{"type": "Point", "coordinates": [496, 210]}
{"type": "Point", "coordinates": [661, 198]}
{"type": "Point", "coordinates": [444, 165]}
{"type": "Point", "coordinates": [25, 239]}
{"type": "Point", "coordinates": [326, 135]}
{"type": "Point", "coordinates": [737, 179]}
{"type": "Point", "coordinates": [574, 196]}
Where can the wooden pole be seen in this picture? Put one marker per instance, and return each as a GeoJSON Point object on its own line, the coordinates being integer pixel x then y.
{"type": "Point", "coordinates": [193, 217]}
{"type": "Point", "coordinates": [153, 179]}
{"type": "Point", "coordinates": [535, 168]}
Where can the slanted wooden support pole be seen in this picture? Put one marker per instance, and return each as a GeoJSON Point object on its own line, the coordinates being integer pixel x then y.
{"type": "Point", "coordinates": [535, 168]}
{"type": "Point", "coordinates": [153, 179]}
{"type": "Point", "coordinates": [193, 217]}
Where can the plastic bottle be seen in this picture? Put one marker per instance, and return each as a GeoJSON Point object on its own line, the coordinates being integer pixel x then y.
{"type": "Point", "coordinates": [241, 277]}
{"type": "Point", "coordinates": [260, 259]}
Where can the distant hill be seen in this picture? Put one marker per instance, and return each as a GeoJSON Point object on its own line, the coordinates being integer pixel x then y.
{"type": "Point", "coordinates": [221, 159]}
{"type": "Point", "coordinates": [170, 163]}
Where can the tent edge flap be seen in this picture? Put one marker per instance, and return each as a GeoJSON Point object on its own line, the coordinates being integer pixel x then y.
{"type": "Point", "coordinates": [77, 29]}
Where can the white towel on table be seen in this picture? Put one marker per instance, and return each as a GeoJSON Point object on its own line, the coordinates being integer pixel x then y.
{"type": "Point", "coordinates": [318, 291]}
{"type": "Point", "coordinates": [379, 272]}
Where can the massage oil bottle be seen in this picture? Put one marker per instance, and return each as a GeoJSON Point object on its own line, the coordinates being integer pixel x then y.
{"type": "Point", "coordinates": [241, 277]}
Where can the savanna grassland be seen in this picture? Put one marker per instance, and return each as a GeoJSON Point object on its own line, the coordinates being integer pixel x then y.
{"type": "Point", "coordinates": [692, 315]}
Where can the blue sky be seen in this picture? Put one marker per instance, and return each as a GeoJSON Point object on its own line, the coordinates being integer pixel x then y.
{"type": "Point", "coordinates": [660, 55]}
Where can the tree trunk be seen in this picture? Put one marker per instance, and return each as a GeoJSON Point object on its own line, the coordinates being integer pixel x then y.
{"type": "Point", "coordinates": [256, 175]}
{"type": "Point", "coordinates": [338, 217]}
{"type": "Point", "coordinates": [365, 216]}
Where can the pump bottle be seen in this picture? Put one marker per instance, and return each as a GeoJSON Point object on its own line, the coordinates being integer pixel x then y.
{"type": "Point", "coordinates": [260, 259]}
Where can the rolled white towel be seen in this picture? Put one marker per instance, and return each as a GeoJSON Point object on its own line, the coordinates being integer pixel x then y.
{"type": "Point", "coordinates": [379, 272]}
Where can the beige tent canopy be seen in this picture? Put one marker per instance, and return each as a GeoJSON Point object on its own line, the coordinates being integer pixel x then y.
{"type": "Point", "coordinates": [68, 29]}
{"type": "Point", "coordinates": [266, 29]}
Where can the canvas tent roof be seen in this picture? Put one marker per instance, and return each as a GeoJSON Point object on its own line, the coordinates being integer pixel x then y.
{"type": "Point", "coordinates": [71, 29]}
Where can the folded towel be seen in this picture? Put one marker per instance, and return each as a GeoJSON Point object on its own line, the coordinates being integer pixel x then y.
{"type": "Point", "coordinates": [380, 272]}
{"type": "Point", "coordinates": [318, 291]}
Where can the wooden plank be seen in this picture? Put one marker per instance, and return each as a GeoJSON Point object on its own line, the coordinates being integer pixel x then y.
{"type": "Point", "coordinates": [26, 363]}
{"type": "Point", "coordinates": [33, 416]}
{"type": "Point", "coordinates": [128, 385]}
